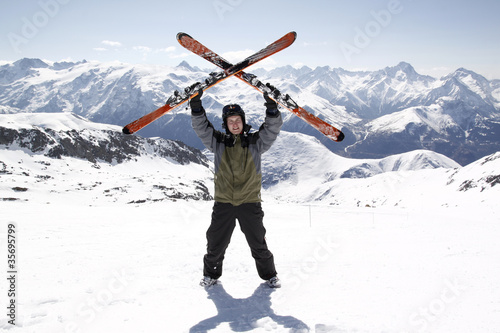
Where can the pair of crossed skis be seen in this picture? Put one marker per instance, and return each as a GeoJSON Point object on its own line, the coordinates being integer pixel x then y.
{"type": "Point", "coordinates": [237, 70]}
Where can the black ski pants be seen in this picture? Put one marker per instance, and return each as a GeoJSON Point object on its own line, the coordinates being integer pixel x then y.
{"type": "Point", "coordinates": [250, 217]}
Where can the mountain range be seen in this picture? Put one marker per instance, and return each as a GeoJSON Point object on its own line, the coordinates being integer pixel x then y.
{"type": "Point", "coordinates": [390, 111]}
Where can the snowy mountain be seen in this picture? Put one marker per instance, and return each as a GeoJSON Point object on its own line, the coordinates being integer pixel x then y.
{"type": "Point", "coordinates": [399, 110]}
{"type": "Point", "coordinates": [66, 153]}
{"type": "Point", "coordinates": [414, 179]}
{"type": "Point", "coordinates": [384, 112]}
{"type": "Point", "coordinates": [287, 164]}
{"type": "Point", "coordinates": [62, 134]}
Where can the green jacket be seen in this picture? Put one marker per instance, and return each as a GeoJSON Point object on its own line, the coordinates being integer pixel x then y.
{"type": "Point", "coordinates": [237, 159]}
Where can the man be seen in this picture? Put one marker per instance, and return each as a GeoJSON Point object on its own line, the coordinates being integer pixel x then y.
{"type": "Point", "coordinates": [238, 181]}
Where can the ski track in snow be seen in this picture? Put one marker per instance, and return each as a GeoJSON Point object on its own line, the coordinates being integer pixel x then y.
{"type": "Point", "coordinates": [124, 268]}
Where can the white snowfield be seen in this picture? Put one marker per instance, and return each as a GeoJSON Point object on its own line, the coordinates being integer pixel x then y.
{"type": "Point", "coordinates": [401, 247]}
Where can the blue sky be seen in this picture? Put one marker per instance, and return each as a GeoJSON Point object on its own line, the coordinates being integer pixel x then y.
{"type": "Point", "coordinates": [436, 37]}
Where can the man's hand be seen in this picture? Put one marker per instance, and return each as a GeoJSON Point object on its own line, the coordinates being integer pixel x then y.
{"type": "Point", "coordinates": [195, 102]}
{"type": "Point", "coordinates": [271, 105]}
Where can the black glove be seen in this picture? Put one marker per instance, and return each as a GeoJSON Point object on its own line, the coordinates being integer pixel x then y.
{"type": "Point", "coordinates": [195, 102]}
{"type": "Point", "coordinates": [271, 105]}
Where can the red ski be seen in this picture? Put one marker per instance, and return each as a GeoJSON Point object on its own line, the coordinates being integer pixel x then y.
{"type": "Point", "coordinates": [285, 100]}
{"type": "Point", "coordinates": [180, 97]}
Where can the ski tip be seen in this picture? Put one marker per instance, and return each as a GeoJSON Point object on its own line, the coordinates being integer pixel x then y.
{"type": "Point", "coordinates": [180, 35]}
{"type": "Point", "coordinates": [125, 130]}
{"type": "Point", "coordinates": [340, 137]}
{"type": "Point", "coordinates": [291, 36]}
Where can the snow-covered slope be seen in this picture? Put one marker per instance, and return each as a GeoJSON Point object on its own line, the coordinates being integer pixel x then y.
{"type": "Point", "coordinates": [408, 245]}
{"type": "Point", "coordinates": [478, 176]}
{"type": "Point", "coordinates": [298, 168]}
{"type": "Point", "coordinates": [49, 157]}
{"type": "Point", "coordinates": [42, 149]}
{"type": "Point", "coordinates": [135, 268]}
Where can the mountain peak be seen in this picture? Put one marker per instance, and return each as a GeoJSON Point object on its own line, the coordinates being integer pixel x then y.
{"type": "Point", "coordinates": [403, 67]}
{"type": "Point", "coordinates": [27, 63]}
{"type": "Point", "coordinates": [186, 65]}
{"type": "Point", "coordinates": [289, 71]}
{"type": "Point", "coordinates": [63, 64]}
{"type": "Point", "coordinates": [462, 73]}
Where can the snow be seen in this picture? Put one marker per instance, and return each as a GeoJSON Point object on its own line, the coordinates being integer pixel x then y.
{"type": "Point", "coordinates": [396, 121]}
{"type": "Point", "coordinates": [298, 168]}
{"type": "Point", "coordinates": [432, 116]}
{"type": "Point", "coordinates": [125, 268]}
{"type": "Point", "coordinates": [410, 249]}
{"type": "Point", "coordinates": [54, 121]}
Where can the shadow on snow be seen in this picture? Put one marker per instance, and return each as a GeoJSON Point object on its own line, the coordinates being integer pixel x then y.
{"type": "Point", "coordinates": [242, 314]}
